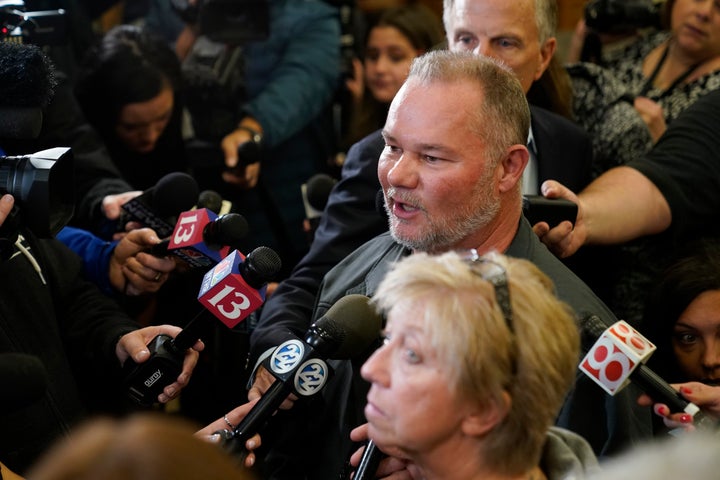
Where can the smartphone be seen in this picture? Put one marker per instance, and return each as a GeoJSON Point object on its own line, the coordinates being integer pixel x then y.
{"type": "Point", "coordinates": [537, 208]}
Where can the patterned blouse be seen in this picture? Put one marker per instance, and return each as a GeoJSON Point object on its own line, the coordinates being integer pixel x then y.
{"type": "Point", "coordinates": [603, 102]}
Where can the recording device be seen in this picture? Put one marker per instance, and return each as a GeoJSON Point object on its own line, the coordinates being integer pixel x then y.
{"type": "Point", "coordinates": [42, 186]}
{"type": "Point", "coordinates": [159, 206]}
{"type": "Point", "coordinates": [45, 27]}
{"type": "Point", "coordinates": [145, 381]}
{"type": "Point", "coordinates": [369, 462]}
{"type": "Point", "coordinates": [620, 16]}
{"type": "Point", "coordinates": [618, 355]}
{"type": "Point", "coordinates": [201, 238]}
{"type": "Point", "coordinates": [41, 182]}
{"type": "Point", "coordinates": [537, 208]}
{"type": "Point", "coordinates": [235, 287]}
{"type": "Point", "coordinates": [315, 194]}
{"type": "Point", "coordinates": [346, 330]}
{"type": "Point", "coordinates": [214, 202]}
{"type": "Point", "coordinates": [24, 380]}
{"type": "Point", "coordinates": [206, 154]}
{"type": "Point", "coordinates": [233, 22]}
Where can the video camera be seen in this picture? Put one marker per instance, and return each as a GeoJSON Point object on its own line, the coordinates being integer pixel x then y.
{"type": "Point", "coordinates": [41, 182]}
{"type": "Point", "coordinates": [42, 186]}
{"type": "Point", "coordinates": [619, 16]}
{"type": "Point", "coordinates": [44, 27]}
{"type": "Point", "coordinates": [232, 22]}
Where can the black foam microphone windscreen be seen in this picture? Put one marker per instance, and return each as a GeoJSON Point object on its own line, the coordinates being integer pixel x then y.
{"type": "Point", "coordinates": [27, 85]}
{"type": "Point", "coordinates": [23, 379]}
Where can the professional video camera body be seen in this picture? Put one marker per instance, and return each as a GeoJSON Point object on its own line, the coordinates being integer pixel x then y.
{"type": "Point", "coordinates": [44, 27]}
{"type": "Point", "coordinates": [213, 71]}
{"type": "Point", "coordinates": [41, 182]}
{"type": "Point", "coordinates": [619, 16]}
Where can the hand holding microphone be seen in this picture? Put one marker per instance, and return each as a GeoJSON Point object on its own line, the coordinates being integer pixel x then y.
{"type": "Point", "coordinates": [347, 329]}
{"type": "Point", "coordinates": [158, 206]}
{"type": "Point", "coordinates": [618, 356]}
{"type": "Point", "coordinates": [201, 238]}
{"type": "Point", "coordinates": [231, 291]}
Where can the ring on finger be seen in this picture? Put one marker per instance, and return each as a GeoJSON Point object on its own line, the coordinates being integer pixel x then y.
{"type": "Point", "coordinates": [232, 427]}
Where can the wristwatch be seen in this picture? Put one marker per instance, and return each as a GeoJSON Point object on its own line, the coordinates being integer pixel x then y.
{"type": "Point", "coordinates": [254, 134]}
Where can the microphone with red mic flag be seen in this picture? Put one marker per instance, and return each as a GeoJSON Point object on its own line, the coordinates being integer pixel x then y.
{"type": "Point", "coordinates": [201, 238]}
{"type": "Point", "coordinates": [159, 206]}
{"type": "Point", "coordinates": [241, 283]}
{"type": "Point", "coordinates": [617, 357]}
{"type": "Point", "coordinates": [346, 330]}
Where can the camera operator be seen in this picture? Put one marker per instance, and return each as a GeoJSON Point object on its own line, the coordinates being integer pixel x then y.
{"type": "Point", "coordinates": [276, 134]}
{"type": "Point", "coordinates": [48, 310]}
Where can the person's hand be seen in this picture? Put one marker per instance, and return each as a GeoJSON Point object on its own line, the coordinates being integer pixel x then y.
{"type": "Point", "coordinates": [133, 271]}
{"type": "Point", "coordinates": [389, 468]}
{"type": "Point", "coordinates": [7, 202]}
{"type": "Point", "coordinates": [565, 238]}
{"type": "Point", "coordinates": [704, 396]}
{"type": "Point", "coordinates": [263, 381]}
{"type": "Point", "coordinates": [134, 345]}
{"type": "Point", "coordinates": [185, 41]}
{"type": "Point", "coordinates": [652, 114]}
{"type": "Point", "coordinates": [233, 417]}
{"type": "Point", "coordinates": [356, 84]}
{"type": "Point", "coordinates": [248, 177]}
{"type": "Point", "coordinates": [111, 204]}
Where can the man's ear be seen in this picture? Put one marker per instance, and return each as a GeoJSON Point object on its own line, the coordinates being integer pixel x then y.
{"type": "Point", "coordinates": [547, 50]}
{"type": "Point", "coordinates": [484, 419]}
{"type": "Point", "coordinates": [512, 167]}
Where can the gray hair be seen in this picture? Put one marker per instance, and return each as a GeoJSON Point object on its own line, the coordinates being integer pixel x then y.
{"type": "Point", "coordinates": [546, 17]}
{"type": "Point", "coordinates": [503, 119]}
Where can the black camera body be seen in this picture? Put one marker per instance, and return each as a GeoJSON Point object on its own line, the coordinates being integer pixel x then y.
{"type": "Point", "coordinates": [42, 184]}
{"type": "Point", "coordinates": [44, 27]}
{"type": "Point", "coordinates": [232, 22]}
{"type": "Point", "coordinates": [620, 16]}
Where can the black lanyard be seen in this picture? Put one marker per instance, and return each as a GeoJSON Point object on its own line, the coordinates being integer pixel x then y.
{"type": "Point", "coordinates": [649, 83]}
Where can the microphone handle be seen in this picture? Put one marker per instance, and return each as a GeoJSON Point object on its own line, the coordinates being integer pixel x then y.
{"type": "Point", "coordinates": [371, 457]}
{"type": "Point", "coordinates": [256, 417]}
{"type": "Point", "coordinates": [194, 330]}
{"type": "Point", "coordinates": [660, 391]}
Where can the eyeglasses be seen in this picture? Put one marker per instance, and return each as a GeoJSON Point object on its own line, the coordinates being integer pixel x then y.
{"type": "Point", "coordinates": [494, 273]}
{"type": "Point", "coordinates": [491, 271]}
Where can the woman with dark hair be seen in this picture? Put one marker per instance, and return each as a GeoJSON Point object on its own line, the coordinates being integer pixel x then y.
{"type": "Point", "coordinates": [400, 34]}
{"type": "Point", "coordinates": [128, 90]}
{"type": "Point", "coordinates": [683, 317]}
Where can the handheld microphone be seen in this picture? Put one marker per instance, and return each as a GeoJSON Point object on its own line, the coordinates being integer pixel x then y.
{"type": "Point", "coordinates": [24, 380]}
{"type": "Point", "coordinates": [347, 329]}
{"type": "Point", "coordinates": [158, 206]}
{"type": "Point", "coordinates": [618, 356]}
{"type": "Point", "coordinates": [236, 286]}
{"type": "Point", "coordinates": [201, 238]}
{"type": "Point", "coordinates": [315, 194]}
{"type": "Point", "coordinates": [369, 462]}
{"type": "Point", "coordinates": [214, 202]}
{"type": "Point", "coordinates": [147, 380]}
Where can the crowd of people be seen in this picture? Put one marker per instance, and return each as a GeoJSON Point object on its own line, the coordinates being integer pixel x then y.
{"type": "Point", "coordinates": [447, 116]}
